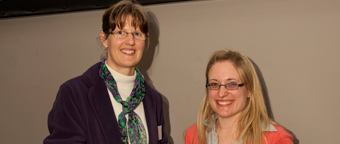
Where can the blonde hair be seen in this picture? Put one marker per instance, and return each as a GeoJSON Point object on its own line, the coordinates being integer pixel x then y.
{"type": "Point", "coordinates": [253, 117]}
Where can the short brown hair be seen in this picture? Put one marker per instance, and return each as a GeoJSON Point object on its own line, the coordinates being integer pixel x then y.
{"type": "Point", "coordinates": [116, 15]}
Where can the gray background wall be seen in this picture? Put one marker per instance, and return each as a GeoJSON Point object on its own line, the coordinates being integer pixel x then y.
{"type": "Point", "coordinates": [294, 43]}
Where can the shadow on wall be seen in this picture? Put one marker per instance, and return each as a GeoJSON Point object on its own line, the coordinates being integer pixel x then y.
{"type": "Point", "coordinates": [264, 90]}
{"type": "Point", "coordinates": [145, 64]}
{"type": "Point", "coordinates": [267, 101]}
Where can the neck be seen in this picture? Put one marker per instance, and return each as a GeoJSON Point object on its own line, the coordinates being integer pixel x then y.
{"type": "Point", "coordinates": [227, 126]}
{"type": "Point", "coordinates": [128, 71]}
{"type": "Point", "coordinates": [223, 124]}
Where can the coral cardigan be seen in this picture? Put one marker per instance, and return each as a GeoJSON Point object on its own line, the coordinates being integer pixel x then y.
{"type": "Point", "coordinates": [280, 136]}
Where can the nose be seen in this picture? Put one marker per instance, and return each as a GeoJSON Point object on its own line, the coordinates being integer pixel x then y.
{"type": "Point", "coordinates": [222, 92]}
{"type": "Point", "coordinates": [130, 40]}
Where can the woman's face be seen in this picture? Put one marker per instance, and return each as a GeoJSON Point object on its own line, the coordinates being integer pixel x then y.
{"type": "Point", "coordinates": [226, 103]}
{"type": "Point", "coordinates": [124, 54]}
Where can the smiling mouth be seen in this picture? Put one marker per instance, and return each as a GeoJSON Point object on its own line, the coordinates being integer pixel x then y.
{"type": "Point", "coordinates": [224, 102]}
{"type": "Point", "coordinates": [128, 51]}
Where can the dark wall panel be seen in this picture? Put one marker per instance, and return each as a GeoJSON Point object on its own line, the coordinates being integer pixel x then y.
{"type": "Point", "coordinates": [15, 8]}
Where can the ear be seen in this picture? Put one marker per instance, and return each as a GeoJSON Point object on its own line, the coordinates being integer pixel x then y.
{"type": "Point", "coordinates": [103, 39]}
{"type": "Point", "coordinates": [248, 94]}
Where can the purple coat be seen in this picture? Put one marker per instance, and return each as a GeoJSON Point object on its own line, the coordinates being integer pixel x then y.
{"type": "Point", "coordinates": [83, 114]}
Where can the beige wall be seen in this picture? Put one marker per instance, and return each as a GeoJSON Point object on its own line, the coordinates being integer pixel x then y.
{"type": "Point", "coordinates": [295, 45]}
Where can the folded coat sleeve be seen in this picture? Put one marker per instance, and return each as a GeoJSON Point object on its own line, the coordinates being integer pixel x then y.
{"type": "Point", "coordinates": [65, 121]}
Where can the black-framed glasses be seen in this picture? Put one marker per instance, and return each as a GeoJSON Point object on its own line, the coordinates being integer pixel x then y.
{"type": "Point", "coordinates": [123, 34]}
{"type": "Point", "coordinates": [228, 86]}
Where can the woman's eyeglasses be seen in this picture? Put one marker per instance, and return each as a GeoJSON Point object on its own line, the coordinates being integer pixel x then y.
{"type": "Point", "coordinates": [228, 86]}
{"type": "Point", "coordinates": [123, 35]}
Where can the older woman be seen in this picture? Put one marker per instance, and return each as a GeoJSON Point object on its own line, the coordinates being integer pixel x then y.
{"type": "Point", "coordinates": [111, 103]}
{"type": "Point", "coordinates": [233, 110]}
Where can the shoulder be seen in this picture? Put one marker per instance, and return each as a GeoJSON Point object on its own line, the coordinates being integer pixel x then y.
{"type": "Point", "coordinates": [191, 131]}
{"type": "Point", "coordinates": [73, 82]}
{"type": "Point", "coordinates": [71, 90]}
{"type": "Point", "coordinates": [279, 136]}
{"type": "Point", "coordinates": [90, 76]}
{"type": "Point", "coordinates": [191, 134]}
{"type": "Point", "coordinates": [152, 93]}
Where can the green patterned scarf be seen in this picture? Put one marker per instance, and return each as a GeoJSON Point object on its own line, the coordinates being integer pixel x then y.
{"type": "Point", "coordinates": [135, 130]}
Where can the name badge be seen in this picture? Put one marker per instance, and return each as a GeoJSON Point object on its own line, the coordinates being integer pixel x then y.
{"type": "Point", "coordinates": [160, 132]}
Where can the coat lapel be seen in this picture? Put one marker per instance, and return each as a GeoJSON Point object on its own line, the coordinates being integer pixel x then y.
{"type": "Point", "coordinates": [150, 115]}
{"type": "Point", "coordinates": [102, 107]}
{"type": "Point", "coordinates": [101, 104]}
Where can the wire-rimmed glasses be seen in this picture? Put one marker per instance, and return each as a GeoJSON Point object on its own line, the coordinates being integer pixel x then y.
{"type": "Point", "coordinates": [123, 34]}
{"type": "Point", "coordinates": [228, 86]}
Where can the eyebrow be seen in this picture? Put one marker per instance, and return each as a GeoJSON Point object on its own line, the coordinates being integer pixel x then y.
{"type": "Point", "coordinates": [229, 79]}
{"type": "Point", "coordinates": [232, 79]}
